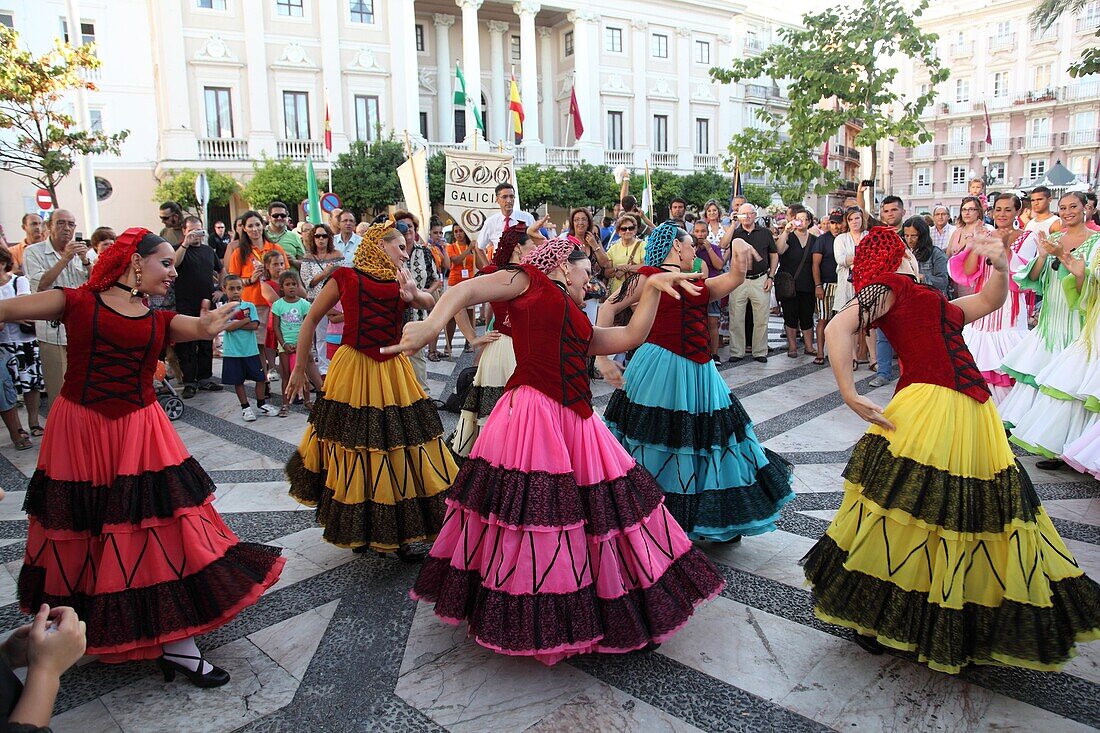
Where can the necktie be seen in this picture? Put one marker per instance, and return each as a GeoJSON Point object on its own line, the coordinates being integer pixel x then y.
{"type": "Point", "coordinates": [507, 222]}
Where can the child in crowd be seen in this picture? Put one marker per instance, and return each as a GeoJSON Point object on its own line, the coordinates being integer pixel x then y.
{"type": "Point", "coordinates": [334, 334]}
{"type": "Point", "coordinates": [287, 314]}
{"type": "Point", "coordinates": [241, 353]}
{"type": "Point", "coordinates": [273, 266]}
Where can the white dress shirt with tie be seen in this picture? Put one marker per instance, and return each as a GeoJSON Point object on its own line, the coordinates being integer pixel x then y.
{"type": "Point", "coordinates": [496, 224]}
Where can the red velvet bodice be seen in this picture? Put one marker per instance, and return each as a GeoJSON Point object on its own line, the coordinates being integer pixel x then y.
{"type": "Point", "coordinates": [373, 312]}
{"type": "Point", "coordinates": [111, 357]}
{"type": "Point", "coordinates": [681, 325]}
{"type": "Point", "coordinates": [501, 322]}
{"type": "Point", "coordinates": [544, 316]}
{"type": "Point", "coordinates": [925, 330]}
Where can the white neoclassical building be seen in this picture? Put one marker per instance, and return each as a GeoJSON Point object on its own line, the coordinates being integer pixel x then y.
{"type": "Point", "coordinates": [221, 83]}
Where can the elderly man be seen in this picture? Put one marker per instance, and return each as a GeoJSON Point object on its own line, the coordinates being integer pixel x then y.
{"type": "Point", "coordinates": [59, 262]}
{"type": "Point", "coordinates": [756, 289]}
{"type": "Point", "coordinates": [942, 228]}
{"type": "Point", "coordinates": [346, 240]}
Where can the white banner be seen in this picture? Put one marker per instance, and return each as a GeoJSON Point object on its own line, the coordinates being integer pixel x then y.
{"type": "Point", "coordinates": [468, 195]}
{"type": "Point", "coordinates": [413, 174]}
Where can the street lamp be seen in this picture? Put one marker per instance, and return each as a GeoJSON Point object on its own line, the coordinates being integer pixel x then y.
{"type": "Point", "coordinates": [986, 177]}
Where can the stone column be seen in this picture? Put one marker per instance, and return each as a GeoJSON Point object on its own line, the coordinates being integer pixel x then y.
{"type": "Point", "coordinates": [586, 50]}
{"type": "Point", "coordinates": [444, 77]}
{"type": "Point", "coordinates": [261, 141]}
{"type": "Point", "coordinates": [500, 128]}
{"type": "Point", "coordinates": [471, 61]}
{"type": "Point", "coordinates": [550, 106]}
{"type": "Point", "coordinates": [639, 122]}
{"type": "Point", "coordinates": [404, 74]}
{"type": "Point", "coordinates": [529, 74]}
{"type": "Point", "coordinates": [329, 14]}
{"type": "Point", "coordinates": [726, 110]}
{"type": "Point", "coordinates": [178, 130]}
{"type": "Point", "coordinates": [681, 142]}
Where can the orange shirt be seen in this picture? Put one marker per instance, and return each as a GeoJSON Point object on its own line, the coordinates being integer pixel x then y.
{"type": "Point", "coordinates": [253, 293]}
{"type": "Point", "coordinates": [465, 269]}
{"type": "Point", "coordinates": [16, 251]}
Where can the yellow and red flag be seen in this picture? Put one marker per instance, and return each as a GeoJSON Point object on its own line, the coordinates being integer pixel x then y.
{"type": "Point", "coordinates": [516, 106]}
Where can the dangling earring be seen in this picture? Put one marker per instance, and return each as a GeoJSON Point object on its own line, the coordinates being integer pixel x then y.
{"type": "Point", "coordinates": [135, 291]}
{"type": "Point", "coordinates": [568, 282]}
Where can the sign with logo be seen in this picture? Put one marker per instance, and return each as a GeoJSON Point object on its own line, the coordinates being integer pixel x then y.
{"type": "Point", "coordinates": [470, 181]}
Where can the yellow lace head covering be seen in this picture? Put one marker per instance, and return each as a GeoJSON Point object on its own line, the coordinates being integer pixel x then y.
{"type": "Point", "coordinates": [370, 258]}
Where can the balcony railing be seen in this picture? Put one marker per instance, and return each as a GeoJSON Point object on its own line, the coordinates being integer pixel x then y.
{"type": "Point", "coordinates": [958, 50]}
{"type": "Point", "coordinates": [705, 162]}
{"type": "Point", "coordinates": [1082, 137]}
{"type": "Point", "coordinates": [519, 155]}
{"type": "Point", "coordinates": [756, 91]}
{"type": "Point", "coordinates": [753, 45]}
{"type": "Point", "coordinates": [921, 189]}
{"type": "Point", "coordinates": [300, 149]}
{"type": "Point", "coordinates": [1087, 24]}
{"type": "Point", "coordinates": [999, 145]}
{"type": "Point", "coordinates": [957, 187]}
{"type": "Point", "coordinates": [957, 148]}
{"type": "Point", "coordinates": [667, 161]}
{"type": "Point", "coordinates": [1039, 141]}
{"type": "Point", "coordinates": [223, 148]}
{"type": "Point", "coordinates": [996, 43]}
{"type": "Point", "coordinates": [1047, 34]}
{"type": "Point", "coordinates": [1083, 90]}
{"type": "Point", "coordinates": [434, 148]}
{"type": "Point", "coordinates": [562, 156]}
{"type": "Point", "coordinates": [925, 151]}
{"type": "Point", "coordinates": [619, 157]}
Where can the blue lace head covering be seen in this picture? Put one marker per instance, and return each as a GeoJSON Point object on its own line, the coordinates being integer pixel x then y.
{"type": "Point", "coordinates": [659, 244]}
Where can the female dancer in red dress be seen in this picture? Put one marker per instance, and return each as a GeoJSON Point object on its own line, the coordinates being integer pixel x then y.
{"type": "Point", "coordinates": [556, 541]}
{"type": "Point", "coordinates": [121, 522]}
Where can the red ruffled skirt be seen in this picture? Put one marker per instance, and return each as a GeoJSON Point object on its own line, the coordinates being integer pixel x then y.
{"type": "Point", "coordinates": [122, 529]}
{"type": "Point", "coordinates": [556, 542]}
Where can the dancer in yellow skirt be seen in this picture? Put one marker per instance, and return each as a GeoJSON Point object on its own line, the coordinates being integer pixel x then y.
{"type": "Point", "coordinates": [372, 460]}
{"type": "Point", "coordinates": [941, 546]}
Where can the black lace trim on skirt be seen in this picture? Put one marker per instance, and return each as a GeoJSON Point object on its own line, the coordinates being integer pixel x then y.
{"type": "Point", "coordinates": [937, 497]}
{"type": "Point", "coordinates": [196, 600]}
{"type": "Point", "coordinates": [384, 527]}
{"type": "Point", "coordinates": [481, 400]}
{"type": "Point", "coordinates": [954, 637]}
{"type": "Point", "coordinates": [739, 506]}
{"type": "Point", "coordinates": [677, 428]}
{"type": "Point", "coordinates": [79, 506]}
{"type": "Point", "coordinates": [545, 621]}
{"type": "Point", "coordinates": [539, 499]}
{"type": "Point", "coordinates": [381, 429]}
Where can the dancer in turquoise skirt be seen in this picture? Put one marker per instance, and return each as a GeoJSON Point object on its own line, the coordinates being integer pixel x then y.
{"type": "Point", "coordinates": [678, 418]}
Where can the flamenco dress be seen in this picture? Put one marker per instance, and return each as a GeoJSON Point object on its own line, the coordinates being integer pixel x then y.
{"type": "Point", "coordinates": [1083, 453]}
{"type": "Point", "coordinates": [494, 369]}
{"type": "Point", "coordinates": [122, 526]}
{"type": "Point", "coordinates": [1056, 412]}
{"type": "Point", "coordinates": [993, 336]}
{"type": "Point", "coordinates": [679, 420]}
{"type": "Point", "coordinates": [941, 546]}
{"type": "Point", "coordinates": [556, 541]}
{"type": "Point", "coordinates": [372, 460]}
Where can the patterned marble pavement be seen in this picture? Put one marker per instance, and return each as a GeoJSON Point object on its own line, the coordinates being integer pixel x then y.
{"type": "Point", "coordinates": [338, 645]}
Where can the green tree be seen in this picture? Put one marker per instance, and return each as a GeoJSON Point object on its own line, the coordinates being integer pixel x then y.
{"type": "Point", "coordinates": [851, 74]}
{"type": "Point", "coordinates": [586, 185]}
{"type": "Point", "coordinates": [757, 195]}
{"type": "Point", "coordinates": [43, 141]}
{"type": "Point", "coordinates": [698, 188]}
{"type": "Point", "coordinates": [366, 176]}
{"type": "Point", "coordinates": [537, 185]}
{"type": "Point", "coordinates": [1049, 11]}
{"type": "Point", "coordinates": [179, 186]}
{"type": "Point", "coordinates": [437, 178]}
{"type": "Point", "coordinates": [275, 180]}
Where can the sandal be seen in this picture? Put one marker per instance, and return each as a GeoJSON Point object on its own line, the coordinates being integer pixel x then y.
{"type": "Point", "coordinates": [284, 411]}
{"type": "Point", "coordinates": [23, 433]}
{"type": "Point", "coordinates": [37, 431]}
{"type": "Point", "coordinates": [793, 353]}
{"type": "Point", "coordinates": [447, 352]}
{"type": "Point", "coordinates": [819, 360]}
{"type": "Point", "coordinates": [873, 366]}
{"type": "Point", "coordinates": [434, 356]}
{"type": "Point", "coordinates": [23, 443]}
{"type": "Point", "coordinates": [809, 352]}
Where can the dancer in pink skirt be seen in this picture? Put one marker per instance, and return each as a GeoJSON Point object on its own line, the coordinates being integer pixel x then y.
{"type": "Point", "coordinates": [556, 542]}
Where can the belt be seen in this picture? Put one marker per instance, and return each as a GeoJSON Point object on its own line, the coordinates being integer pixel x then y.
{"type": "Point", "coordinates": [754, 277]}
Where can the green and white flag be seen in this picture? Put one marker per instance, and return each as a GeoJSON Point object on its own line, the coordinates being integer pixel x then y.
{"type": "Point", "coordinates": [461, 98]}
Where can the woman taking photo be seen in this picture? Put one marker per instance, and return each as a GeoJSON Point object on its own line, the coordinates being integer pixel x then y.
{"type": "Point", "coordinates": [320, 262]}
{"type": "Point", "coordinates": [582, 229]}
{"type": "Point", "coordinates": [247, 260]}
{"type": "Point", "coordinates": [798, 304]}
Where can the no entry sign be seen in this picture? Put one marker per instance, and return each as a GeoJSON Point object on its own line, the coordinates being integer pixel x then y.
{"type": "Point", "coordinates": [43, 199]}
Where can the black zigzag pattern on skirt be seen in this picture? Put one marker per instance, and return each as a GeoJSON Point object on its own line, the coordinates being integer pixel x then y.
{"type": "Point", "coordinates": [677, 428]}
{"type": "Point", "coordinates": [738, 505]}
{"type": "Point", "coordinates": [376, 428]}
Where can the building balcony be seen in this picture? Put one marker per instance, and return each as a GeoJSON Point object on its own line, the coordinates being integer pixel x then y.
{"type": "Point", "coordinates": [1042, 36]}
{"type": "Point", "coordinates": [925, 151]}
{"type": "Point", "coordinates": [756, 91]}
{"type": "Point", "coordinates": [957, 187]}
{"type": "Point", "coordinates": [1088, 24]}
{"type": "Point", "coordinates": [705, 162]}
{"type": "Point", "coordinates": [223, 148]}
{"type": "Point", "coordinates": [300, 149]}
{"type": "Point", "coordinates": [1039, 141]}
{"type": "Point", "coordinates": [616, 158]}
{"type": "Point", "coordinates": [1082, 137]}
{"type": "Point", "coordinates": [754, 46]}
{"type": "Point", "coordinates": [999, 43]}
{"type": "Point", "coordinates": [519, 155]}
{"type": "Point", "coordinates": [562, 157]}
{"type": "Point", "coordinates": [1082, 90]}
{"type": "Point", "coordinates": [1038, 95]}
{"type": "Point", "coordinates": [961, 50]}
{"type": "Point", "coordinates": [435, 148]}
{"type": "Point", "coordinates": [958, 148]}
{"type": "Point", "coordinates": [920, 189]}
{"type": "Point", "coordinates": [999, 145]}
{"type": "Point", "coordinates": [666, 161]}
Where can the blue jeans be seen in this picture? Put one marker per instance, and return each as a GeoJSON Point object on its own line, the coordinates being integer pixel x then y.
{"type": "Point", "coordinates": [884, 353]}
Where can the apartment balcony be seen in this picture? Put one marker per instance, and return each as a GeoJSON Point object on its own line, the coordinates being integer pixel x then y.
{"type": "Point", "coordinates": [957, 187]}
{"type": "Point", "coordinates": [958, 149]}
{"type": "Point", "coordinates": [920, 189]}
{"type": "Point", "coordinates": [847, 152]}
{"type": "Point", "coordinates": [999, 145]}
{"type": "Point", "coordinates": [1039, 141]}
{"type": "Point", "coordinates": [1082, 90]}
{"type": "Point", "coordinates": [961, 50]}
{"type": "Point", "coordinates": [562, 157]}
{"type": "Point", "coordinates": [666, 161]}
{"type": "Point", "coordinates": [1036, 96]}
{"type": "Point", "coordinates": [703, 162]}
{"type": "Point", "coordinates": [223, 148]}
{"type": "Point", "coordinates": [1045, 35]}
{"type": "Point", "coordinates": [754, 46]}
{"type": "Point", "coordinates": [519, 155]}
{"type": "Point", "coordinates": [1000, 43]}
{"type": "Point", "coordinates": [300, 149]}
{"type": "Point", "coordinates": [1088, 24]}
{"type": "Point", "coordinates": [1087, 138]}
{"type": "Point", "coordinates": [926, 151]}
{"type": "Point", "coordinates": [756, 92]}
{"type": "Point", "coordinates": [435, 148]}
{"type": "Point", "coordinates": [615, 158]}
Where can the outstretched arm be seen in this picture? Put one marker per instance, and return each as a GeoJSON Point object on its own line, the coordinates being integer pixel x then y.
{"type": "Point", "coordinates": [206, 326]}
{"type": "Point", "coordinates": [840, 338]}
{"type": "Point", "coordinates": [45, 306]}
{"type": "Point", "coordinates": [623, 338]}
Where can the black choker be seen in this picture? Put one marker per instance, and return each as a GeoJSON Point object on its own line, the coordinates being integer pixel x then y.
{"type": "Point", "coordinates": [134, 292]}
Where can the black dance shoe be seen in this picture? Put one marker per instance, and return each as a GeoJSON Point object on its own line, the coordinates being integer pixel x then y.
{"type": "Point", "coordinates": [732, 540]}
{"type": "Point", "coordinates": [216, 677]}
{"type": "Point", "coordinates": [361, 549]}
{"type": "Point", "coordinates": [868, 644]}
{"type": "Point", "coordinates": [406, 555]}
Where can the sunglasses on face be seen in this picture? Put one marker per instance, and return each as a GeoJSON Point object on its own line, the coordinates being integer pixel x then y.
{"type": "Point", "coordinates": [627, 229]}
{"type": "Point", "coordinates": [279, 216]}
{"type": "Point", "coordinates": [321, 235]}
{"type": "Point", "coordinates": [166, 218]}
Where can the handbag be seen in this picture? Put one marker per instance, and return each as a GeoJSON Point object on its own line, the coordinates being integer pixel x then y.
{"type": "Point", "coordinates": [783, 282]}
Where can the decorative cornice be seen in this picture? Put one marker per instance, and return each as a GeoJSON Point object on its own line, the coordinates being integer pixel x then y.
{"type": "Point", "coordinates": [616, 86]}
{"type": "Point", "coordinates": [498, 26]}
{"type": "Point", "coordinates": [366, 62]}
{"type": "Point", "coordinates": [527, 7]}
{"type": "Point", "coordinates": [215, 51]}
{"type": "Point", "coordinates": [639, 25]}
{"type": "Point", "coordinates": [725, 38]}
{"type": "Point", "coordinates": [294, 56]}
{"type": "Point", "coordinates": [662, 90]}
{"type": "Point", "coordinates": [443, 20]}
{"type": "Point", "coordinates": [704, 94]}
{"type": "Point", "coordinates": [582, 16]}
{"type": "Point", "coordinates": [683, 32]}
{"type": "Point", "coordinates": [544, 32]}
{"type": "Point", "coordinates": [426, 77]}
{"type": "Point", "coordinates": [469, 4]}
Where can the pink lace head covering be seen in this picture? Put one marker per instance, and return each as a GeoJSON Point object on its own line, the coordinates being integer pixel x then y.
{"type": "Point", "coordinates": [552, 253]}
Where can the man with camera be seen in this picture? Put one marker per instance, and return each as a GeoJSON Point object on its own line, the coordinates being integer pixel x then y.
{"type": "Point", "coordinates": [197, 270]}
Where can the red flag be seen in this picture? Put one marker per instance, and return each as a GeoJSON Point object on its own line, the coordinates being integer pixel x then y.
{"type": "Point", "coordinates": [328, 130]}
{"type": "Point", "coordinates": [988, 127]}
{"type": "Point", "coordinates": [825, 156]}
{"type": "Point", "coordinates": [575, 112]}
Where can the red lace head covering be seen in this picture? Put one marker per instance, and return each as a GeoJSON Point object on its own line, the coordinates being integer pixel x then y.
{"type": "Point", "coordinates": [552, 253]}
{"type": "Point", "coordinates": [511, 238]}
{"type": "Point", "coordinates": [115, 259]}
{"type": "Point", "coordinates": [881, 251]}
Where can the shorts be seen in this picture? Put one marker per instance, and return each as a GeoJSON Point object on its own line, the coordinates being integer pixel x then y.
{"type": "Point", "coordinates": [825, 307]}
{"type": "Point", "coordinates": [8, 397]}
{"type": "Point", "coordinates": [24, 365]}
{"type": "Point", "coordinates": [239, 369]}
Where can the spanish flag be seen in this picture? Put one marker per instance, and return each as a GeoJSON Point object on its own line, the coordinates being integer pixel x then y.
{"type": "Point", "coordinates": [516, 106]}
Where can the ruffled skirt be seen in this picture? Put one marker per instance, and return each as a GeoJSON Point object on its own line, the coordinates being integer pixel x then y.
{"type": "Point", "coordinates": [123, 530]}
{"type": "Point", "coordinates": [494, 369]}
{"type": "Point", "coordinates": [372, 459]}
{"type": "Point", "coordinates": [941, 546]}
{"type": "Point", "coordinates": [557, 543]}
{"type": "Point", "coordinates": [680, 421]}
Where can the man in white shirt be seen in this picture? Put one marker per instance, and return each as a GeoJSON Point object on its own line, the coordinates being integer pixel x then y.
{"type": "Point", "coordinates": [1042, 218]}
{"type": "Point", "coordinates": [59, 262]}
{"type": "Point", "coordinates": [495, 225]}
{"type": "Point", "coordinates": [942, 228]}
{"type": "Point", "coordinates": [346, 240]}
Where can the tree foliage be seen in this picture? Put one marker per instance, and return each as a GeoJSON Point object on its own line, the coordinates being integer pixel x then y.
{"type": "Point", "coordinates": [537, 185]}
{"type": "Point", "coordinates": [366, 176]}
{"type": "Point", "coordinates": [43, 141]}
{"type": "Point", "coordinates": [585, 184]}
{"type": "Point", "coordinates": [275, 180]}
{"type": "Point", "coordinates": [1048, 11]}
{"type": "Point", "coordinates": [437, 178]}
{"type": "Point", "coordinates": [179, 186]}
{"type": "Point", "coordinates": [850, 74]}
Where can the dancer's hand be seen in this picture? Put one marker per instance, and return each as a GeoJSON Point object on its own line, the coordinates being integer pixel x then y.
{"type": "Point", "coordinates": [668, 282]}
{"type": "Point", "coordinates": [57, 640]}
{"type": "Point", "coordinates": [413, 337]}
{"type": "Point", "coordinates": [1075, 266]}
{"type": "Point", "coordinates": [297, 384]}
{"type": "Point", "coordinates": [989, 246]}
{"type": "Point", "coordinates": [611, 372]}
{"type": "Point", "coordinates": [407, 286]}
{"type": "Point", "coordinates": [214, 321]}
{"type": "Point", "coordinates": [482, 341]}
{"type": "Point", "coordinates": [1047, 246]}
{"type": "Point", "coordinates": [742, 255]}
{"type": "Point", "coordinates": [869, 411]}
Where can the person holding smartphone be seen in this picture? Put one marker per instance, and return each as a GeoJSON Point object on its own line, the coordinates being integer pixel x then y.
{"type": "Point", "coordinates": [198, 268]}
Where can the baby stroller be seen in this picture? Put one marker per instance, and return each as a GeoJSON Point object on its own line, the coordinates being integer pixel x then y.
{"type": "Point", "coordinates": [169, 400]}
